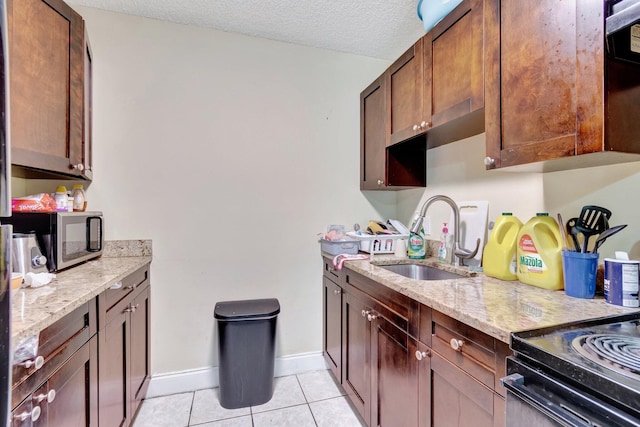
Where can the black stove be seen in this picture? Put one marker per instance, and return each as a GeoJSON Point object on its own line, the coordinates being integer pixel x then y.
{"type": "Point", "coordinates": [599, 359]}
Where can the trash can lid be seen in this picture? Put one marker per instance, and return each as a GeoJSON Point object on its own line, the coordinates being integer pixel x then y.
{"type": "Point", "coordinates": [246, 309]}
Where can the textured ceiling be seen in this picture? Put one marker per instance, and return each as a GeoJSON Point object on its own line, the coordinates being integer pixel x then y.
{"type": "Point", "coordinates": [377, 28]}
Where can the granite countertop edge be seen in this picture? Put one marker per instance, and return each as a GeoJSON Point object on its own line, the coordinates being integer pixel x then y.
{"type": "Point", "coordinates": [34, 309]}
{"type": "Point", "coordinates": [493, 306]}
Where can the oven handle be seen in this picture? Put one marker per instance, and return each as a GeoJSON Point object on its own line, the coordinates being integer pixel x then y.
{"type": "Point", "coordinates": [515, 384]}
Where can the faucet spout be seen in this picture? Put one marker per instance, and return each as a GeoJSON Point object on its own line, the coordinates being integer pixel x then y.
{"type": "Point", "coordinates": [459, 253]}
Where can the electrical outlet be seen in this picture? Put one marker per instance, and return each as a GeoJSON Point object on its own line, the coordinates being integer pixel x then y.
{"type": "Point", "coordinates": [426, 224]}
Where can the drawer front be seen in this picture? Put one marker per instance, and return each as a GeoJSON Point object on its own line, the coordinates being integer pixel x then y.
{"type": "Point", "coordinates": [399, 309]}
{"type": "Point", "coordinates": [56, 344]}
{"type": "Point", "coordinates": [465, 347]}
{"type": "Point", "coordinates": [124, 287]}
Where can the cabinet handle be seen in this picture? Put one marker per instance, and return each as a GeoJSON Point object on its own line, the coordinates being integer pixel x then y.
{"type": "Point", "coordinates": [131, 308]}
{"type": "Point", "coordinates": [371, 317]}
{"type": "Point", "coordinates": [365, 313]}
{"type": "Point", "coordinates": [337, 291]}
{"type": "Point", "coordinates": [422, 354]}
{"type": "Point", "coordinates": [79, 167]}
{"type": "Point", "coordinates": [116, 285]}
{"type": "Point", "coordinates": [490, 162]}
{"type": "Point", "coordinates": [425, 125]}
{"type": "Point", "coordinates": [456, 344]}
{"type": "Point", "coordinates": [34, 414]}
{"type": "Point", "coordinates": [51, 396]}
{"type": "Point", "coordinates": [380, 182]}
{"type": "Point", "coordinates": [37, 362]}
{"type": "Point", "coordinates": [416, 128]}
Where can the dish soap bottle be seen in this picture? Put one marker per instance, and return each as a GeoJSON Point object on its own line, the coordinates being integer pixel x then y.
{"type": "Point", "coordinates": [445, 244]}
{"type": "Point", "coordinates": [417, 248]}
{"type": "Point", "coordinates": [499, 258]}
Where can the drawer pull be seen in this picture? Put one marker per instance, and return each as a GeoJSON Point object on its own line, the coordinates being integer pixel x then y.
{"type": "Point", "coordinates": [131, 308]}
{"type": "Point", "coordinates": [34, 414]}
{"type": "Point", "coordinates": [422, 354]}
{"type": "Point", "coordinates": [456, 344]}
{"type": "Point", "coordinates": [337, 291]}
{"type": "Point", "coordinates": [51, 396]}
{"type": "Point", "coordinates": [365, 312]}
{"type": "Point", "coordinates": [371, 317]}
{"type": "Point", "coordinates": [38, 362]}
{"type": "Point", "coordinates": [117, 285]}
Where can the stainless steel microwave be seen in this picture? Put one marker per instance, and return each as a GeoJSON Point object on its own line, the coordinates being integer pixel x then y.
{"type": "Point", "coordinates": [65, 238]}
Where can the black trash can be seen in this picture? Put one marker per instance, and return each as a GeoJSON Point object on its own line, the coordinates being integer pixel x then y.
{"type": "Point", "coordinates": [246, 351]}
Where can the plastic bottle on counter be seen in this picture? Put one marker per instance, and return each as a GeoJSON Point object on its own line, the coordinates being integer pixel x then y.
{"type": "Point", "coordinates": [499, 257]}
{"type": "Point", "coordinates": [61, 198]}
{"type": "Point", "coordinates": [539, 253]}
{"type": "Point", "coordinates": [79, 201]}
{"type": "Point", "coordinates": [444, 250]}
{"type": "Point", "coordinates": [417, 246]}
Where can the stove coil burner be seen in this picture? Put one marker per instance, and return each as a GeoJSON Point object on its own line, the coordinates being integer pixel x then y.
{"type": "Point", "coordinates": [618, 352]}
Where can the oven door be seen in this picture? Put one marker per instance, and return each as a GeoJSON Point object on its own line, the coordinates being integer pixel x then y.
{"type": "Point", "coordinates": [536, 398]}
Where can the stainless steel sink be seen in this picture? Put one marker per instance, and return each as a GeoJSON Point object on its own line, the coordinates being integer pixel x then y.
{"type": "Point", "coordinates": [421, 272]}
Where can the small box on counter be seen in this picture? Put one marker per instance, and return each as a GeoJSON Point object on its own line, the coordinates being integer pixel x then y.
{"type": "Point", "coordinates": [337, 247]}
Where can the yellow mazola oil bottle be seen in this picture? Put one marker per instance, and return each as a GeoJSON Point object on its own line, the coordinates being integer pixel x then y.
{"type": "Point", "coordinates": [539, 253]}
{"type": "Point", "coordinates": [499, 257]}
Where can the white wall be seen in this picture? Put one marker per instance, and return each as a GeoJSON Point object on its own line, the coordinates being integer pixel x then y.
{"type": "Point", "coordinates": [231, 153]}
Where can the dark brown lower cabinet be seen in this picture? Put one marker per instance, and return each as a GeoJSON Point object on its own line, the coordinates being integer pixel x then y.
{"type": "Point", "coordinates": [356, 368]}
{"type": "Point", "coordinates": [458, 399]}
{"type": "Point", "coordinates": [380, 369]}
{"type": "Point", "coordinates": [332, 324]}
{"type": "Point", "coordinates": [395, 376]}
{"type": "Point", "coordinates": [59, 386]}
{"type": "Point", "coordinates": [124, 372]}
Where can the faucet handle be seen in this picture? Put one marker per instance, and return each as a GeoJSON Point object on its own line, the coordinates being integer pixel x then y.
{"type": "Point", "coordinates": [463, 253]}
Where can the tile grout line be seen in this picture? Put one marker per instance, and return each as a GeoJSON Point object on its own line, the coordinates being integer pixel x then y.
{"type": "Point", "coordinates": [306, 400]}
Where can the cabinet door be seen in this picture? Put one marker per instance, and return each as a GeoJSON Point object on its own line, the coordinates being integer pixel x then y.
{"type": "Point", "coordinates": [332, 325]}
{"type": "Point", "coordinates": [373, 131]}
{"type": "Point", "coordinates": [548, 98]}
{"type": "Point", "coordinates": [424, 385]}
{"type": "Point", "coordinates": [70, 397]}
{"type": "Point", "coordinates": [457, 399]}
{"type": "Point", "coordinates": [404, 81]}
{"type": "Point", "coordinates": [114, 366]}
{"type": "Point", "coordinates": [87, 105]}
{"type": "Point", "coordinates": [454, 64]}
{"type": "Point", "coordinates": [356, 368]}
{"type": "Point", "coordinates": [140, 347]}
{"type": "Point", "coordinates": [46, 49]}
{"type": "Point", "coordinates": [395, 376]}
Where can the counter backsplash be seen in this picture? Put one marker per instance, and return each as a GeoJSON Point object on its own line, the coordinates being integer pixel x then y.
{"type": "Point", "coordinates": [126, 248]}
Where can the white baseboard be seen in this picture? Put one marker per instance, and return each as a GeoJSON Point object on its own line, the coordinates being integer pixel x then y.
{"type": "Point", "coordinates": [198, 379]}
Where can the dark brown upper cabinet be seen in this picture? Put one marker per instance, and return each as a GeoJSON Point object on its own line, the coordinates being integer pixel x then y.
{"type": "Point", "coordinates": [454, 75]}
{"type": "Point", "coordinates": [404, 81]}
{"type": "Point", "coordinates": [48, 49]}
{"type": "Point", "coordinates": [388, 113]}
{"type": "Point", "coordinates": [554, 99]}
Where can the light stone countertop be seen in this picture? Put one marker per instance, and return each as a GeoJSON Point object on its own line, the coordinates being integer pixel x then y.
{"type": "Point", "coordinates": [34, 309]}
{"type": "Point", "coordinates": [492, 306]}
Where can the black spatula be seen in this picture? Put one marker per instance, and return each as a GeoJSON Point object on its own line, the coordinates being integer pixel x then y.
{"type": "Point", "coordinates": [592, 220]}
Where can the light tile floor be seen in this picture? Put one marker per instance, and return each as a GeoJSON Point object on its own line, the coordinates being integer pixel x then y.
{"type": "Point", "coordinates": [310, 399]}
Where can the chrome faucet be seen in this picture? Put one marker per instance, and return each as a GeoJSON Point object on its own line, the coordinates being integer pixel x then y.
{"type": "Point", "coordinates": [459, 253]}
